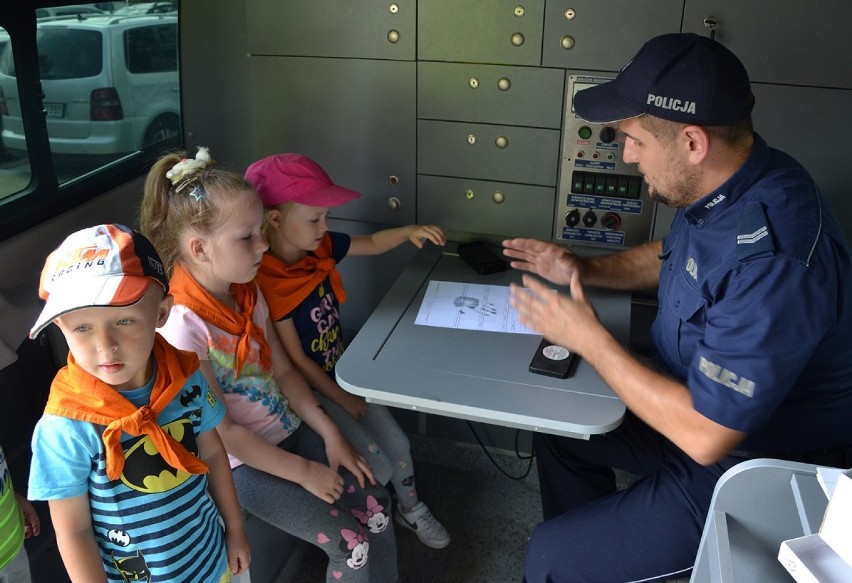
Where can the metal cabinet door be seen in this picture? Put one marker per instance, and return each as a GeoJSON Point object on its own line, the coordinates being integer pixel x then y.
{"type": "Point", "coordinates": [368, 29]}
{"type": "Point", "coordinates": [781, 41]}
{"type": "Point", "coordinates": [503, 94]}
{"type": "Point", "coordinates": [489, 208]}
{"type": "Point", "coordinates": [480, 31]}
{"type": "Point", "coordinates": [603, 36]}
{"type": "Point", "coordinates": [355, 117]}
{"type": "Point", "coordinates": [488, 152]}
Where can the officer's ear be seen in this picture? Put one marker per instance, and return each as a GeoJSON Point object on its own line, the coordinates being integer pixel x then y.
{"type": "Point", "coordinates": [697, 141]}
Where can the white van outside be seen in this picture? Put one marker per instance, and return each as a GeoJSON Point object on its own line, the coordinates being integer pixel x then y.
{"type": "Point", "coordinates": [110, 85]}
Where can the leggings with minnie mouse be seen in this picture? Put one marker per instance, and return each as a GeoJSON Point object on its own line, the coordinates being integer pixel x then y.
{"type": "Point", "coordinates": [356, 532]}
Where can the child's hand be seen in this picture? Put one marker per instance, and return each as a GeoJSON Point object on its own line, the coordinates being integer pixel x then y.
{"type": "Point", "coordinates": [323, 482]}
{"type": "Point", "coordinates": [353, 404]}
{"type": "Point", "coordinates": [32, 523]}
{"type": "Point", "coordinates": [420, 233]}
{"type": "Point", "coordinates": [239, 551]}
{"type": "Point", "coordinates": [342, 453]}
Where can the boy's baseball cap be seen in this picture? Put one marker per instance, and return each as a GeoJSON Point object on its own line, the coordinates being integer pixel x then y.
{"type": "Point", "coordinates": [681, 77]}
{"type": "Point", "coordinates": [105, 265]}
{"type": "Point", "coordinates": [294, 177]}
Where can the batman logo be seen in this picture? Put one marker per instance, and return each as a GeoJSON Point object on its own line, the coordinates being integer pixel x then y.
{"type": "Point", "coordinates": [189, 396]}
{"type": "Point", "coordinates": [146, 471]}
{"type": "Point", "coordinates": [118, 537]}
{"type": "Point", "coordinates": [132, 568]}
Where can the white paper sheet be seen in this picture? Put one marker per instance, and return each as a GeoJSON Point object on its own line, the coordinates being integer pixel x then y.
{"type": "Point", "coordinates": [469, 306]}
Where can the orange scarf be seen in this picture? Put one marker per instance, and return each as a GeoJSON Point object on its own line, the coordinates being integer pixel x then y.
{"type": "Point", "coordinates": [188, 292]}
{"type": "Point", "coordinates": [76, 394]}
{"type": "Point", "coordinates": [286, 286]}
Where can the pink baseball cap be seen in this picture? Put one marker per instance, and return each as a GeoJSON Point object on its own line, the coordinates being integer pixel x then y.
{"type": "Point", "coordinates": [104, 265]}
{"type": "Point", "coordinates": [293, 177]}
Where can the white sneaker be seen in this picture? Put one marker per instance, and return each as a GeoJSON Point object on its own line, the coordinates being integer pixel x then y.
{"type": "Point", "coordinates": [419, 519]}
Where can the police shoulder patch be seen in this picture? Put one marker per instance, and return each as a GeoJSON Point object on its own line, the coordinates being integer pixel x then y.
{"type": "Point", "coordinates": [754, 237]}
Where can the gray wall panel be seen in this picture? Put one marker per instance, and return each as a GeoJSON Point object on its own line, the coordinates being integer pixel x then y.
{"type": "Point", "coordinates": [604, 35]}
{"type": "Point", "coordinates": [466, 149]}
{"type": "Point", "coordinates": [469, 205]}
{"type": "Point", "coordinates": [490, 94]}
{"type": "Point", "coordinates": [324, 28]}
{"type": "Point", "coordinates": [782, 41]}
{"type": "Point", "coordinates": [480, 31]}
{"type": "Point", "coordinates": [354, 116]}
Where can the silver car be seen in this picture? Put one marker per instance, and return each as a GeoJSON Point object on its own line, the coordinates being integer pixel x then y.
{"type": "Point", "coordinates": [110, 85]}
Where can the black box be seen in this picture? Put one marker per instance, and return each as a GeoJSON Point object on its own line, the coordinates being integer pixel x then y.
{"type": "Point", "coordinates": [480, 256]}
{"type": "Point", "coordinates": [552, 360]}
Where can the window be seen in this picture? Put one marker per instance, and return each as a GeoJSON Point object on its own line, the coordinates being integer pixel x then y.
{"type": "Point", "coordinates": [109, 102]}
{"type": "Point", "coordinates": [151, 49]}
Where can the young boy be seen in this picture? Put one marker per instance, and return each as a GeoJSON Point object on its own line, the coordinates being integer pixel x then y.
{"type": "Point", "coordinates": [125, 451]}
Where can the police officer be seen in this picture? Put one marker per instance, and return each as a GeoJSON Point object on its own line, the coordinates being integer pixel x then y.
{"type": "Point", "coordinates": [751, 350]}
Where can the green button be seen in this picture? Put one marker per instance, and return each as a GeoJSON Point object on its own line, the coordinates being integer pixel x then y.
{"type": "Point", "coordinates": [585, 132]}
{"type": "Point", "coordinates": [578, 179]}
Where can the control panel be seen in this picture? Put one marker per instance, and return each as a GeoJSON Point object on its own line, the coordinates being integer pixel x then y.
{"type": "Point", "coordinates": [601, 200]}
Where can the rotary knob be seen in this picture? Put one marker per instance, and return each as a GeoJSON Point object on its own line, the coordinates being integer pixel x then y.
{"type": "Point", "coordinates": [607, 134]}
{"type": "Point", "coordinates": [611, 221]}
{"type": "Point", "coordinates": [572, 218]}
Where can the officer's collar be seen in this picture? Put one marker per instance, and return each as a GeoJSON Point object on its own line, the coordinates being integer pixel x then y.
{"type": "Point", "coordinates": [704, 210]}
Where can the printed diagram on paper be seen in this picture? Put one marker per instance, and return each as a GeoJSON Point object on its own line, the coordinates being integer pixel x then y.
{"type": "Point", "coordinates": [469, 306]}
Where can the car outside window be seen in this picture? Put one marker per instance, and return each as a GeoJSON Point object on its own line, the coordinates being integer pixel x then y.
{"type": "Point", "coordinates": [104, 103]}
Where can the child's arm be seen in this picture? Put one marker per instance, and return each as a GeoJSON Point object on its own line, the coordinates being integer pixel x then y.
{"type": "Point", "coordinates": [318, 479]}
{"type": "Point", "coordinates": [302, 400]}
{"type": "Point", "coordinates": [288, 335]}
{"type": "Point", "coordinates": [32, 523]}
{"type": "Point", "coordinates": [72, 523]}
{"type": "Point", "coordinates": [221, 486]}
{"type": "Point", "coordinates": [388, 239]}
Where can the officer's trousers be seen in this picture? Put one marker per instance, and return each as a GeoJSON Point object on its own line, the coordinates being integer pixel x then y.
{"type": "Point", "coordinates": [593, 533]}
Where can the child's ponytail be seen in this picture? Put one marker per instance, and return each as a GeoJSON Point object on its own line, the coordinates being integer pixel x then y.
{"type": "Point", "coordinates": [186, 193]}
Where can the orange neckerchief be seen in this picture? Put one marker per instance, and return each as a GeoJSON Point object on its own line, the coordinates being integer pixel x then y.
{"type": "Point", "coordinates": [188, 292]}
{"type": "Point", "coordinates": [76, 394]}
{"type": "Point", "coordinates": [286, 286]}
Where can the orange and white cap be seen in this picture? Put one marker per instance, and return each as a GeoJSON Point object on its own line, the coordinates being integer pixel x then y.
{"type": "Point", "coordinates": [105, 265]}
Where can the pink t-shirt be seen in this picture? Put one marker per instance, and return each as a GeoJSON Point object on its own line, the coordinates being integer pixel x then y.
{"type": "Point", "coordinates": [253, 399]}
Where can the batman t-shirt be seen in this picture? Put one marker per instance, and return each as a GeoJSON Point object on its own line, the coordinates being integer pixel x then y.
{"type": "Point", "coordinates": [154, 523]}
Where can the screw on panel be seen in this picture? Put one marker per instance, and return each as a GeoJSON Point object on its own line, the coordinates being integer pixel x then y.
{"type": "Point", "coordinates": [570, 14]}
{"type": "Point", "coordinates": [503, 84]}
{"type": "Point", "coordinates": [517, 39]}
{"type": "Point", "coordinates": [469, 194]}
{"type": "Point", "coordinates": [471, 139]}
{"type": "Point", "coordinates": [711, 22]}
{"type": "Point", "coordinates": [501, 142]}
{"type": "Point", "coordinates": [393, 36]}
{"type": "Point", "coordinates": [394, 203]}
{"type": "Point", "coordinates": [393, 179]}
{"type": "Point", "coordinates": [393, 8]}
{"type": "Point", "coordinates": [473, 82]}
{"type": "Point", "coordinates": [567, 42]}
{"type": "Point", "coordinates": [498, 197]}
{"type": "Point", "coordinates": [520, 11]}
